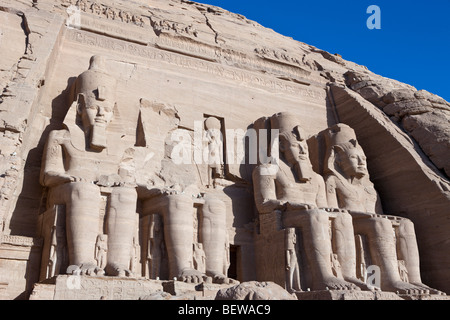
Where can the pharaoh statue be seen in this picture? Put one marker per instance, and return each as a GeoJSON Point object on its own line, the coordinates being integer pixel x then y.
{"type": "Point", "coordinates": [294, 189]}
{"type": "Point", "coordinates": [176, 209]}
{"type": "Point", "coordinates": [92, 158]}
{"type": "Point", "coordinates": [391, 240]}
{"type": "Point", "coordinates": [79, 163]}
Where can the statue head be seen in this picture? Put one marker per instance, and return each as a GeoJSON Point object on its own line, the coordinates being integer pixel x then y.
{"type": "Point", "coordinates": [212, 123]}
{"type": "Point", "coordinates": [97, 62]}
{"type": "Point", "coordinates": [102, 238]}
{"type": "Point", "coordinates": [95, 112]}
{"type": "Point", "coordinates": [350, 158]}
{"type": "Point", "coordinates": [213, 133]}
{"type": "Point", "coordinates": [293, 145]}
{"type": "Point", "coordinates": [96, 101]}
{"type": "Point", "coordinates": [344, 154]}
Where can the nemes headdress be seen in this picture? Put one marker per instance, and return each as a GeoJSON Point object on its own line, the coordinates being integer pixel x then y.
{"type": "Point", "coordinates": [287, 124]}
{"type": "Point", "coordinates": [339, 136]}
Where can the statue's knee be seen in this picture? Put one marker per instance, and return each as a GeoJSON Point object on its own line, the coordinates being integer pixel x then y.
{"type": "Point", "coordinates": [124, 195]}
{"type": "Point", "coordinates": [214, 205]}
{"type": "Point", "coordinates": [80, 191]}
{"type": "Point", "coordinates": [178, 201]}
{"type": "Point", "coordinates": [406, 226]}
{"type": "Point", "coordinates": [166, 203]}
{"type": "Point", "coordinates": [300, 218]}
{"type": "Point", "coordinates": [317, 216]}
{"type": "Point", "coordinates": [381, 225]}
{"type": "Point", "coordinates": [344, 219]}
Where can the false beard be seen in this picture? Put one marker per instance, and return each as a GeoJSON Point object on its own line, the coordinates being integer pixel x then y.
{"type": "Point", "coordinates": [304, 171]}
{"type": "Point", "coordinates": [98, 137]}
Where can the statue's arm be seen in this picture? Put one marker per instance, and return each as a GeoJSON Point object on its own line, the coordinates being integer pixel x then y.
{"type": "Point", "coordinates": [322, 194]}
{"type": "Point", "coordinates": [331, 194]}
{"type": "Point", "coordinates": [265, 193]}
{"type": "Point", "coordinates": [52, 170]}
{"type": "Point", "coordinates": [378, 206]}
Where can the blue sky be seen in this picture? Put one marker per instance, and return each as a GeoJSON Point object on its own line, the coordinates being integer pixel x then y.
{"type": "Point", "coordinates": [412, 46]}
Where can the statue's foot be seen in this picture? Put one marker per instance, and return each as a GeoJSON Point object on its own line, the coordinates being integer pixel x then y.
{"type": "Point", "coordinates": [114, 270]}
{"type": "Point", "coordinates": [193, 276]}
{"type": "Point", "coordinates": [361, 284]}
{"type": "Point", "coordinates": [401, 287]}
{"type": "Point", "coordinates": [85, 269]}
{"type": "Point", "coordinates": [121, 272]}
{"type": "Point", "coordinates": [430, 290]}
{"type": "Point", "coordinates": [333, 283]}
{"type": "Point", "coordinates": [223, 279]}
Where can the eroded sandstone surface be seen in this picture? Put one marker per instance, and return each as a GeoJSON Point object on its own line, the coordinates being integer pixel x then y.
{"type": "Point", "coordinates": [181, 69]}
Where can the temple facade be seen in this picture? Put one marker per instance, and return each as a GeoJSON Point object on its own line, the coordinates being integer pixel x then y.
{"type": "Point", "coordinates": [175, 148]}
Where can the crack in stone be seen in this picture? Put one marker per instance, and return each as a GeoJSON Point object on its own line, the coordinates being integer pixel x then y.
{"type": "Point", "coordinates": [24, 26]}
{"type": "Point", "coordinates": [208, 23]}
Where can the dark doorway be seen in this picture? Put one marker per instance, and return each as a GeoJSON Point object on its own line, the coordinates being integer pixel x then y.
{"type": "Point", "coordinates": [234, 256]}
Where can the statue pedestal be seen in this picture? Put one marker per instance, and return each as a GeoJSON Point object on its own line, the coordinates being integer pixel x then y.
{"type": "Point", "coordinates": [198, 291]}
{"type": "Point", "coordinates": [424, 297]}
{"type": "Point", "coordinates": [346, 295]}
{"type": "Point", "coordinates": [65, 287]}
{"type": "Point", "coordinates": [364, 295]}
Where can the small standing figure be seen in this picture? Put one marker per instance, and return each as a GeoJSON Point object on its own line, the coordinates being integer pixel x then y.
{"type": "Point", "coordinates": [403, 271]}
{"type": "Point", "coordinates": [215, 149]}
{"type": "Point", "coordinates": [134, 256]}
{"type": "Point", "coordinates": [57, 255]}
{"type": "Point", "coordinates": [101, 249]}
{"type": "Point", "coordinates": [336, 266]}
{"type": "Point", "coordinates": [292, 266]}
{"type": "Point", "coordinates": [53, 260]}
{"type": "Point", "coordinates": [199, 258]}
{"type": "Point", "coordinates": [155, 247]}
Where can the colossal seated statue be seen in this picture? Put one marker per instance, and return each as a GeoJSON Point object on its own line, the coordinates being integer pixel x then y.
{"type": "Point", "coordinates": [75, 168]}
{"type": "Point", "coordinates": [85, 162]}
{"type": "Point", "coordinates": [391, 240]}
{"type": "Point", "coordinates": [294, 189]}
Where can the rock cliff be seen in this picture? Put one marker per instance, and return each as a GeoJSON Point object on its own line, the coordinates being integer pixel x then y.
{"type": "Point", "coordinates": [177, 62]}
